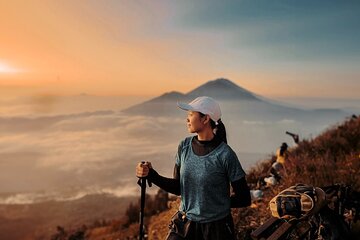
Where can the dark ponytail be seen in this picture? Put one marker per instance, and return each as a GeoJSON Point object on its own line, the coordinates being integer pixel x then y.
{"type": "Point", "coordinates": [220, 130]}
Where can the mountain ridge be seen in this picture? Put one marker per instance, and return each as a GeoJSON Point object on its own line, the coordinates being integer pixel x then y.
{"type": "Point", "coordinates": [220, 89]}
{"type": "Point", "coordinates": [236, 102]}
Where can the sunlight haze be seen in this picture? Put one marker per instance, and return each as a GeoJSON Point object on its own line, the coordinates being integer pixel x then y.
{"type": "Point", "coordinates": [148, 48]}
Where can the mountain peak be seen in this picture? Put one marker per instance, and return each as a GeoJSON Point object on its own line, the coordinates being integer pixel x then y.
{"type": "Point", "coordinates": [223, 81]}
{"type": "Point", "coordinates": [219, 89]}
{"type": "Point", "coordinates": [222, 88]}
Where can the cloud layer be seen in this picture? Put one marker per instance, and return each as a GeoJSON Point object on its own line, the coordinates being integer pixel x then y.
{"type": "Point", "coordinates": [72, 151]}
{"type": "Point", "coordinates": [66, 156]}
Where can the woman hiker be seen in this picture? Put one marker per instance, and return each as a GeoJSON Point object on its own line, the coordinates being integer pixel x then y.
{"type": "Point", "coordinates": [204, 169]}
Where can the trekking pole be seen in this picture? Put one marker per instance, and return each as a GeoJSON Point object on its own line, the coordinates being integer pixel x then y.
{"type": "Point", "coordinates": [142, 183]}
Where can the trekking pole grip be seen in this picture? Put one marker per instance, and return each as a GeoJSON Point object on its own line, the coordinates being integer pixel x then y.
{"type": "Point", "coordinates": [146, 179]}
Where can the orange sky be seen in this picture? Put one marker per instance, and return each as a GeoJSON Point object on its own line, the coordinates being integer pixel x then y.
{"type": "Point", "coordinates": [127, 48]}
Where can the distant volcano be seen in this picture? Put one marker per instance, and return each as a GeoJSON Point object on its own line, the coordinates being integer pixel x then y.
{"type": "Point", "coordinates": [236, 102]}
{"type": "Point", "coordinates": [220, 89]}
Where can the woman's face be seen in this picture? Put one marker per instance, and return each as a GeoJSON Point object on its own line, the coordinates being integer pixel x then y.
{"type": "Point", "coordinates": [195, 122]}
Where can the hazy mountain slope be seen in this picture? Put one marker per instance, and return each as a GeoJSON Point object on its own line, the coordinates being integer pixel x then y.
{"type": "Point", "coordinates": [236, 103]}
{"type": "Point", "coordinates": [222, 89]}
{"type": "Point", "coordinates": [254, 124]}
{"type": "Point", "coordinates": [164, 105]}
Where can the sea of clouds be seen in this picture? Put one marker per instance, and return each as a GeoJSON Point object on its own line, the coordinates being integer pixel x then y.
{"type": "Point", "coordinates": [82, 152]}
{"type": "Point", "coordinates": [50, 156]}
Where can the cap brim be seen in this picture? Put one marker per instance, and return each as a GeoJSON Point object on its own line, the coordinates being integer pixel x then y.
{"type": "Point", "coordinates": [185, 106]}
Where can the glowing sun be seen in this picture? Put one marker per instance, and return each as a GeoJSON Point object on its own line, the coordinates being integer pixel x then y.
{"type": "Point", "coordinates": [5, 68]}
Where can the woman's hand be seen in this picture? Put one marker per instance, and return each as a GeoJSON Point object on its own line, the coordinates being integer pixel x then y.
{"type": "Point", "coordinates": [142, 169]}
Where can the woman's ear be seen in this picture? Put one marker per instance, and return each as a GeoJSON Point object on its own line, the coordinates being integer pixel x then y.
{"type": "Point", "coordinates": [206, 119]}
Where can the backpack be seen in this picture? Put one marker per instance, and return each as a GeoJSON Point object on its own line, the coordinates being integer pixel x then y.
{"type": "Point", "coordinates": [297, 202]}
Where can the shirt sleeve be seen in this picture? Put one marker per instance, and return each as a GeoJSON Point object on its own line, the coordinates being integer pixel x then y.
{"type": "Point", "coordinates": [233, 167]}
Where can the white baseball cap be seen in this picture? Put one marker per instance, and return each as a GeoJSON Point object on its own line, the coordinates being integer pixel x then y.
{"type": "Point", "coordinates": [205, 105]}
